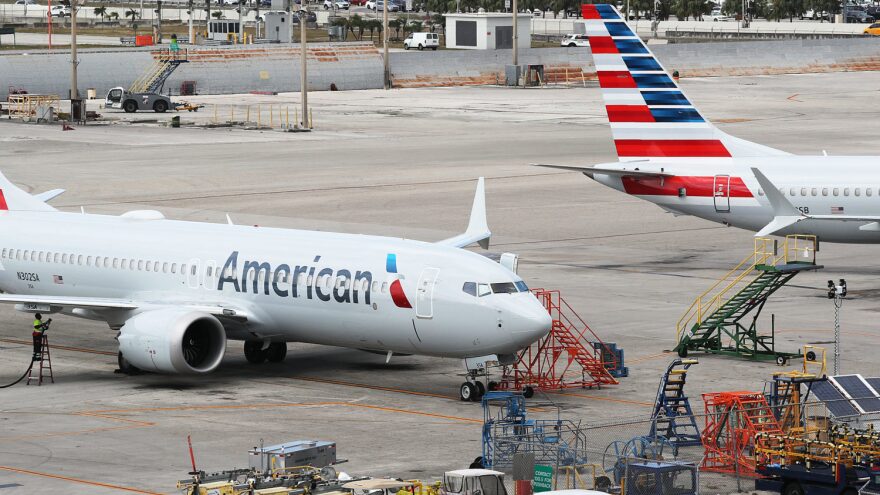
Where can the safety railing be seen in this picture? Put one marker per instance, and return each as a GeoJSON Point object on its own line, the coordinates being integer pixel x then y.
{"type": "Point", "coordinates": [261, 116]}
{"type": "Point", "coordinates": [796, 249]}
{"type": "Point", "coordinates": [26, 105]}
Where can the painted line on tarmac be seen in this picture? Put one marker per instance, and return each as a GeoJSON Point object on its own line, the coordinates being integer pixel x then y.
{"type": "Point", "coordinates": [649, 357]}
{"type": "Point", "coordinates": [606, 399]}
{"type": "Point", "coordinates": [78, 480]}
{"type": "Point", "coordinates": [372, 387]}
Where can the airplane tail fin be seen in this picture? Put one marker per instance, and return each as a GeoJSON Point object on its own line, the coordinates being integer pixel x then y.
{"type": "Point", "coordinates": [650, 117]}
{"type": "Point", "coordinates": [12, 198]}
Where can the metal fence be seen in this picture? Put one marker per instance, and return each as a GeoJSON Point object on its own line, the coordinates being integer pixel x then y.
{"type": "Point", "coordinates": [621, 455]}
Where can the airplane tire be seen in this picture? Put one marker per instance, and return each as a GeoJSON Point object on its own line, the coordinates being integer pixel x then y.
{"type": "Point", "coordinates": [276, 352]}
{"type": "Point", "coordinates": [124, 366]}
{"type": "Point", "coordinates": [481, 389]}
{"type": "Point", "coordinates": [253, 351]}
{"type": "Point", "coordinates": [493, 386]}
{"type": "Point", "coordinates": [467, 391]}
{"type": "Point", "coordinates": [528, 392]}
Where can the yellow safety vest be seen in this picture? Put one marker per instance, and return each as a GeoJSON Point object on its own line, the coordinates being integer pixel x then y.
{"type": "Point", "coordinates": [38, 326]}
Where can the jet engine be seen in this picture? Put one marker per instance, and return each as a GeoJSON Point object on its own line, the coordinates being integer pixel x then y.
{"type": "Point", "coordinates": [173, 341]}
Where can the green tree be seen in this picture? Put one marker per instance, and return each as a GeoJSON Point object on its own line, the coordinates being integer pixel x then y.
{"type": "Point", "coordinates": [373, 25]}
{"type": "Point", "coordinates": [217, 14]}
{"type": "Point", "coordinates": [395, 25]}
{"type": "Point", "coordinates": [437, 20]}
{"type": "Point", "coordinates": [113, 16]}
{"type": "Point", "coordinates": [132, 13]}
{"type": "Point", "coordinates": [415, 26]}
{"type": "Point", "coordinates": [101, 11]}
{"type": "Point", "coordinates": [356, 26]}
{"type": "Point", "coordinates": [685, 9]}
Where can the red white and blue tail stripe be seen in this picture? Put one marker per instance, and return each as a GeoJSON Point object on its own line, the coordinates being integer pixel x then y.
{"type": "Point", "coordinates": [649, 115]}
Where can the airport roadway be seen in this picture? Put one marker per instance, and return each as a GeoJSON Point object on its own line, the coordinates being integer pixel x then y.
{"type": "Point", "coordinates": [403, 163]}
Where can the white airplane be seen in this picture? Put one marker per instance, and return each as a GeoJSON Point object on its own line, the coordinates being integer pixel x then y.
{"type": "Point", "coordinates": [176, 291]}
{"type": "Point", "coordinates": [670, 155]}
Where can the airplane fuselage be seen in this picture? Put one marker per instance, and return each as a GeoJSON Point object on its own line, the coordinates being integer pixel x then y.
{"type": "Point", "coordinates": [726, 191]}
{"type": "Point", "coordinates": [359, 291]}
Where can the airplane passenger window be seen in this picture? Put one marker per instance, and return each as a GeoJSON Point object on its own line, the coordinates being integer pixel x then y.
{"type": "Point", "coordinates": [857, 191]}
{"type": "Point", "coordinates": [106, 262]}
{"type": "Point", "coordinates": [846, 191]}
{"type": "Point", "coordinates": [835, 191]}
{"type": "Point", "coordinates": [824, 191]}
{"type": "Point", "coordinates": [173, 267]}
{"type": "Point", "coordinates": [814, 192]}
{"type": "Point", "coordinates": [193, 269]}
{"type": "Point", "coordinates": [867, 191]}
{"type": "Point", "coordinates": [182, 268]}
{"type": "Point", "coordinates": [26, 253]}
{"type": "Point", "coordinates": [123, 263]}
{"type": "Point", "coordinates": [155, 266]}
{"type": "Point", "coordinates": [4, 253]}
{"type": "Point", "coordinates": [97, 261]}
{"type": "Point", "coordinates": [18, 254]}
{"type": "Point", "coordinates": [803, 191]}
{"type": "Point", "coordinates": [375, 286]}
{"type": "Point", "coordinates": [384, 288]}
{"type": "Point", "coordinates": [792, 191]}
{"type": "Point", "coordinates": [40, 256]}
{"type": "Point", "coordinates": [115, 262]}
{"type": "Point", "coordinates": [88, 260]}
{"type": "Point", "coordinates": [483, 290]}
{"type": "Point", "coordinates": [165, 267]}
{"type": "Point", "coordinates": [469, 288]}
{"type": "Point", "coordinates": [64, 258]}
{"type": "Point", "coordinates": [79, 260]}
{"type": "Point", "coordinates": [149, 266]}
{"type": "Point", "coordinates": [140, 264]}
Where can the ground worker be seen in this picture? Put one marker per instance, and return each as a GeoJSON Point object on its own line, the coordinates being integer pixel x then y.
{"type": "Point", "coordinates": [174, 47]}
{"type": "Point", "coordinates": [39, 328]}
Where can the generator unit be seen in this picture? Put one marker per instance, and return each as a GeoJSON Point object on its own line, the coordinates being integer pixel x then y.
{"type": "Point", "coordinates": [314, 453]}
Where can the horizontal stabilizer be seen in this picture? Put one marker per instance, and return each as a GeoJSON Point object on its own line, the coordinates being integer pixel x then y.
{"type": "Point", "coordinates": [478, 226]}
{"type": "Point", "coordinates": [634, 172]}
{"type": "Point", "coordinates": [49, 195]}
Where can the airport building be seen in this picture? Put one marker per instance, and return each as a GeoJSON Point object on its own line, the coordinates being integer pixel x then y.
{"type": "Point", "coordinates": [486, 31]}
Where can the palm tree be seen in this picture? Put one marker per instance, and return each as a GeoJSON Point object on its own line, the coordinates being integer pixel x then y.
{"type": "Point", "coordinates": [395, 25]}
{"type": "Point", "coordinates": [415, 26]}
{"type": "Point", "coordinates": [101, 11]}
{"type": "Point", "coordinates": [356, 22]}
{"type": "Point", "coordinates": [373, 25]}
{"type": "Point", "coordinates": [113, 16]}
{"type": "Point", "coordinates": [438, 20]}
{"type": "Point", "coordinates": [132, 13]}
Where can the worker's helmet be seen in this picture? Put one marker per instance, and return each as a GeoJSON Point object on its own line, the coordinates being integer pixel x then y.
{"type": "Point", "coordinates": [38, 316]}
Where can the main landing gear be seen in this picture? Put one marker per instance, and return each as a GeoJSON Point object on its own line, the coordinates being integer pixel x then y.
{"type": "Point", "coordinates": [257, 351]}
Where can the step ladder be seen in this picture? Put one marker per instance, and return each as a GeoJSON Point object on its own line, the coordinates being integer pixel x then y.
{"type": "Point", "coordinates": [733, 420]}
{"type": "Point", "coordinates": [571, 355]}
{"type": "Point", "coordinates": [153, 79]}
{"type": "Point", "coordinates": [44, 371]}
{"type": "Point", "coordinates": [716, 321]}
{"type": "Point", "coordinates": [673, 418]}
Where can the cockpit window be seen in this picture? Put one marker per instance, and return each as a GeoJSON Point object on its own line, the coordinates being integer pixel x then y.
{"type": "Point", "coordinates": [522, 286]}
{"type": "Point", "coordinates": [504, 288]}
{"type": "Point", "coordinates": [470, 288]}
{"type": "Point", "coordinates": [483, 290]}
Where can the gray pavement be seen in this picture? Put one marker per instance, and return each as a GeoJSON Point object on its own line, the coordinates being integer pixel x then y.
{"type": "Point", "coordinates": [404, 163]}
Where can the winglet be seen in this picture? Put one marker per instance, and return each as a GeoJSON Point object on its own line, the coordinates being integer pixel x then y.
{"type": "Point", "coordinates": [784, 213]}
{"type": "Point", "coordinates": [49, 195]}
{"type": "Point", "coordinates": [478, 226]}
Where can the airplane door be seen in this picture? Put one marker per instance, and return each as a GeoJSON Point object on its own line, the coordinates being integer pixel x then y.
{"type": "Point", "coordinates": [721, 193]}
{"type": "Point", "coordinates": [425, 293]}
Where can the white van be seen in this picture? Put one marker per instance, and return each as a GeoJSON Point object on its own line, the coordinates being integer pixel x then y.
{"type": "Point", "coordinates": [422, 41]}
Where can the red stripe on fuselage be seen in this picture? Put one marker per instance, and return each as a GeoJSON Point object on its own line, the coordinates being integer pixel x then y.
{"type": "Point", "coordinates": [602, 44]}
{"type": "Point", "coordinates": [3, 205]}
{"type": "Point", "coordinates": [629, 113]}
{"type": "Point", "coordinates": [616, 79]}
{"type": "Point", "coordinates": [693, 186]}
{"type": "Point", "coordinates": [700, 148]}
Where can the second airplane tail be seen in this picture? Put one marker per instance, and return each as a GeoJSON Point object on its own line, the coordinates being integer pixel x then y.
{"type": "Point", "coordinates": [14, 198]}
{"type": "Point", "coordinates": [649, 115]}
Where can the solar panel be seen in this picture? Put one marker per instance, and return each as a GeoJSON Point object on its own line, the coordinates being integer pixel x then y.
{"type": "Point", "coordinates": [874, 383]}
{"type": "Point", "coordinates": [836, 403]}
{"type": "Point", "coordinates": [857, 390]}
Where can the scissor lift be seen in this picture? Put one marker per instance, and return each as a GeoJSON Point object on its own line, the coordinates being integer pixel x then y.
{"type": "Point", "coordinates": [716, 321]}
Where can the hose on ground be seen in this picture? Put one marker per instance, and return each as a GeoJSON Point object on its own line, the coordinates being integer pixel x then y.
{"type": "Point", "coordinates": [28, 370]}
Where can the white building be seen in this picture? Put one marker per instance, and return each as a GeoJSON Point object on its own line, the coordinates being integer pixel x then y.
{"type": "Point", "coordinates": [487, 31]}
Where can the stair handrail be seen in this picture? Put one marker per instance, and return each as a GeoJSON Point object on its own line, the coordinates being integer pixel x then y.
{"type": "Point", "coordinates": [579, 334]}
{"type": "Point", "coordinates": [702, 307]}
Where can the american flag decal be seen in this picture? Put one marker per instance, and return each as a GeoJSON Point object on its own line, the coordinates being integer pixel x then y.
{"type": "Point", "coordinates": [58, 279]}
{"type": "Point", "coordinates": [837, 210]}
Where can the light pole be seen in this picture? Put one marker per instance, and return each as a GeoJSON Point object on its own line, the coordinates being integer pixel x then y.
{"type": "Point", "coordinates": [74, 92]}
{"type": "Point", "coordinates": [303, 65]}
{"type": "Point", "coordinates": [837, 293]}
{"type": "Point", "coordinates": [515, 34]}
{"type": "Point", "coordinates": [386, 69]}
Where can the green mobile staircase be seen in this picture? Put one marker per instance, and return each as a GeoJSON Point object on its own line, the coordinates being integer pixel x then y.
{"type": "Point", "coordinates": [716, 321]}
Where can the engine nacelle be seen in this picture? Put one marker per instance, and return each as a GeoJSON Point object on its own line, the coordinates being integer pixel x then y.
{"type": "Point", "coordinates": [173, 341]}
{"type": "Point", "coordinates": [507, 260]}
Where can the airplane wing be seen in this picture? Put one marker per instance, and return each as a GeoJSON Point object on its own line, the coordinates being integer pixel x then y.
{"type": "Point", "coordinates": [38, 303]}
{"type": "Point", "coordinates": [478, 227]}
{"type": "Point", "coordinates": [636, 172]}
{"type": "Point", "coordinates": [46, 196]}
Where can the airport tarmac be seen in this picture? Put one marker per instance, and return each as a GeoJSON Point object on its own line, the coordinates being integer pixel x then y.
{"type": "Point", "coordinates": [403, 163]}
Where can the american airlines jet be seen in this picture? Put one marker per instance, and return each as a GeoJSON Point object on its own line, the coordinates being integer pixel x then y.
{"type": "Point", "coordinates": [670, 155]}
{"type": "Point", "coordinates": [176, 291]}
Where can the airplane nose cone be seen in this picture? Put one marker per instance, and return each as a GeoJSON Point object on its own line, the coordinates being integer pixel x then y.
{"type": "Point", "coordinates": [533, 322]}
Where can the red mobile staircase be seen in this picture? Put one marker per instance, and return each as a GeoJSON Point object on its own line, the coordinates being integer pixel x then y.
{"type": "Point", "coordinates": [733, 420]}
{"type": "Point", "coordinates": [570, 356]}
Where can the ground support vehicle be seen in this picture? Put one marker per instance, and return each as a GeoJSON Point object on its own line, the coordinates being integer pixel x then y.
{"type": "Point", "coordinates": [819, 479]}
{"type": "Point", "coordinates": [146, 92]}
